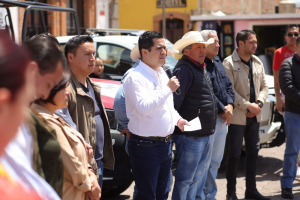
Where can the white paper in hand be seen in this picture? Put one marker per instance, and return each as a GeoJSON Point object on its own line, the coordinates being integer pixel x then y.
{"type": "Point", "coordinates": [195, 124]}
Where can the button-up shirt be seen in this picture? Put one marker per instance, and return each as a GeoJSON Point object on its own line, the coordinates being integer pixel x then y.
{"type": "Point", "coordinates": [149, 102]}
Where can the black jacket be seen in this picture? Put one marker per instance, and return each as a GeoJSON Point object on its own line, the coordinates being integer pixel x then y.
{"type": "Point", "coordinates": [197, 100]}
{"type": "Point", "coordinates": [289, 80]}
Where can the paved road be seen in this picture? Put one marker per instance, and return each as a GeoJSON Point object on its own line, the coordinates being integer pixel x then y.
{"type": "Point", "coordinates": [268, 177]}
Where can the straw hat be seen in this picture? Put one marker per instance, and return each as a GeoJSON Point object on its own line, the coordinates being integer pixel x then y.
{"type": "Point", "coordinates": [189, 38]}
{"type": "Point", "coordinates": [135, 53]}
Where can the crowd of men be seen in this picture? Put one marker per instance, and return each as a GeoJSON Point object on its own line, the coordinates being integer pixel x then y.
{"type": "Point", "coordinates": [226, 97]}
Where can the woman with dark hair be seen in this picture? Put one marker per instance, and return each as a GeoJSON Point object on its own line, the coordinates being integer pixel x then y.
{"type": "Point", "coordinates": [79, 179]}
{"type": "Point", "coordinates": [98, 70]}
{"type": "Point", "coordinates": [15, 95]}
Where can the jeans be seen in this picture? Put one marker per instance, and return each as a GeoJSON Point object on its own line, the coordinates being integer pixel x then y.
{"type": "Point", "coordinates": [292, 132]}
{"type": "Point", "coordinates": [216, 151]}
{"type": "Point", "coordinates": [100, 172]}
{"type": "Point", "coordinates": [151, 165]}
{"type": "Point", "coordinates": [135, 189]}
{"type": "Point", "coordinates": [190, 175]}
{"type": "Point", "coordinates": [235, 140]}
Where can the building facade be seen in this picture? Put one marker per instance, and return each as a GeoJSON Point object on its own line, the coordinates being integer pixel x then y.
{"type": "Point", "coordinates": [147, 15]}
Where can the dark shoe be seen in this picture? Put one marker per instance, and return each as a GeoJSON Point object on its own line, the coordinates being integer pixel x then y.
{"type": "Point", "coordinates": [255, 195]}
{"type": "Point", "coordinates": [231, 197]}
{"type": "Point", "coordinates": [287, 193]}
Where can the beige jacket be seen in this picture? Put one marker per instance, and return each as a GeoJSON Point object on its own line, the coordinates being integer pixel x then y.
{"type": "Point", "coordinates": [238, 73]}
{"type": "Point", "coordinates": [74, 155]}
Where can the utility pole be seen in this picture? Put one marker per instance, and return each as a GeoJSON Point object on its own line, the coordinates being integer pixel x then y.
{"type": "Point", "coordinates": [164, 19]}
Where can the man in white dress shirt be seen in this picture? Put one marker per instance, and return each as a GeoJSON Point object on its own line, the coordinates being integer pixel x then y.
{"type": "Point", "coordinates": [152, 118]}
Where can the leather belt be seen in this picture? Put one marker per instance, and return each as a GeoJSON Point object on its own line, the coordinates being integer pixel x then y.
{"type": "Point", "coordinates": [161, 139]}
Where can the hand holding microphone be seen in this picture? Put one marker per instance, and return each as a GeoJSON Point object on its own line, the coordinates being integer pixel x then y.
{"type": "Point", "coordinates": [173, 83]}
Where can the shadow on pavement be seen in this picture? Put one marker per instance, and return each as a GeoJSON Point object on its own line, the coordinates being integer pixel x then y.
{"type": "Point", "coordinates": [267, 167]}
{"type": "Point", "coordinates": [278, 197]}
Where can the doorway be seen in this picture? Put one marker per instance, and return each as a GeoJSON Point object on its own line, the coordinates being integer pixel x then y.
{"type": "Point", "coordinates": [269, 36]}
{"type": "Point", "coordinates": [174, 29]}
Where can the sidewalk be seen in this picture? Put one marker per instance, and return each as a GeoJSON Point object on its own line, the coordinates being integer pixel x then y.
{"type": "Point", "coordinates": [268, 176]}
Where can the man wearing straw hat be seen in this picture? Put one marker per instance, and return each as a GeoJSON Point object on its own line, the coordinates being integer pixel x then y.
{"type": "Point", "coordinates": [152, 117]}
{"type": "Point", "coordinates": [195, 101]}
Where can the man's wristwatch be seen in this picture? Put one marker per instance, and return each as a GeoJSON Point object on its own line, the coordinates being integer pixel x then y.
{"type": "Point", "coordinates": [260, 104]}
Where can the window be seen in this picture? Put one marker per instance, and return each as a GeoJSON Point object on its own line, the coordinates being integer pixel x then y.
{"type": "Point", "coordinates": [116, 59]}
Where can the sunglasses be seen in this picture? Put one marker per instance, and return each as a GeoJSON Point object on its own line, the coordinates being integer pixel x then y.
{"type": "Point", "coordinates": [291, 34]}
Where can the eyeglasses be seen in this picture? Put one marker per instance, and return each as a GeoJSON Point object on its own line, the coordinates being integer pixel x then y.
{"type": "Point", "coordinates": [291, 34]}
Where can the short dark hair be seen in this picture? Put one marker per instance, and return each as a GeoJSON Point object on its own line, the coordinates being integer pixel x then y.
{"type": "Point", "coordinates": [146, 40]}
{"type": "Point", "coordinates": [46, 54]}
{"type": "Point", "coordinates": [46, 36]}
{"type": "Point", "coordinates": [61, 85]}
{"type": "Point", "coordinates": [243, 36]}
{"type": "Point", "coordinates": [298, 41]}
{"type": "Point", "coordinates": [73, 43]}
{"type": "Point", "coordinates": [290, 26]}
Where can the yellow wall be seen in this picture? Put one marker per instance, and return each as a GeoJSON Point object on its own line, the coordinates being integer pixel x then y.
{"type": "Point", "coordinates": [138, 14]}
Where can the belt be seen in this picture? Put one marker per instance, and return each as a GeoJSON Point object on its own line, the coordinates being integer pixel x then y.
{"type": "Point", "coordinates": [161, 139]}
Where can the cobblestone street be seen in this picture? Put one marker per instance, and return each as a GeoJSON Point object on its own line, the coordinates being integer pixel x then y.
{"type": "Point", "coordinates": [268, 177]}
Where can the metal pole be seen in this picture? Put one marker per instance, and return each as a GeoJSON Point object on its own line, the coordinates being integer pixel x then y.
{"type": "Point", "coordinates": [164, 19]}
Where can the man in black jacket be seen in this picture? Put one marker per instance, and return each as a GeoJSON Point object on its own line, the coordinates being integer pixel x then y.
{"type": "Point", "coordinates": [195, 101]}
{"type": "Point", "coordinates": [225, 97]}
{"type": "Point", "coordinates": [289, 81]}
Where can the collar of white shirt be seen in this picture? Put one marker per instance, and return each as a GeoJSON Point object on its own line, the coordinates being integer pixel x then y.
{"type": "Point", "coordinates": [151, 71]}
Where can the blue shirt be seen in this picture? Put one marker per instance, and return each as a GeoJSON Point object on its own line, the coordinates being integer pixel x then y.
{"type": "Point", "coordinates": [99, 123]}
{"type": "Point", "coordinates": [119, 103]}
{"type": "Point", "coordinates": [65, 115]}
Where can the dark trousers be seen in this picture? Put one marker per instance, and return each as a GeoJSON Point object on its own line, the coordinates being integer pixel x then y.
{"type": "Point", "coordinates": [151, 165]}
{"type": "Point", "coordinates": [235, 140]}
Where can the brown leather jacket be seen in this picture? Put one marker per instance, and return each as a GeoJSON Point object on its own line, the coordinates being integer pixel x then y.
{"type": "Point", "coordinates": [82, 110]}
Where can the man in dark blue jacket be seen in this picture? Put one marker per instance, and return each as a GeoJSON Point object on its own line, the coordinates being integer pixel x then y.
{"type": "Point", "coordinates": [290, 85]}
{"type": "Point", "coordinates": [224, 96]}
{"type": "Point", "coordinates": [195, 101]}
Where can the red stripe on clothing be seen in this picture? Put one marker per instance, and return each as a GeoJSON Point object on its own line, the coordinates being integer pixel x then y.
{"type": "Point", "coordinates": [200, 65]}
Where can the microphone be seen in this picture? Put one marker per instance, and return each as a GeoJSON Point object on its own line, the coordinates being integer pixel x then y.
{"type": "Point", "coordinates": [167, 69]}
